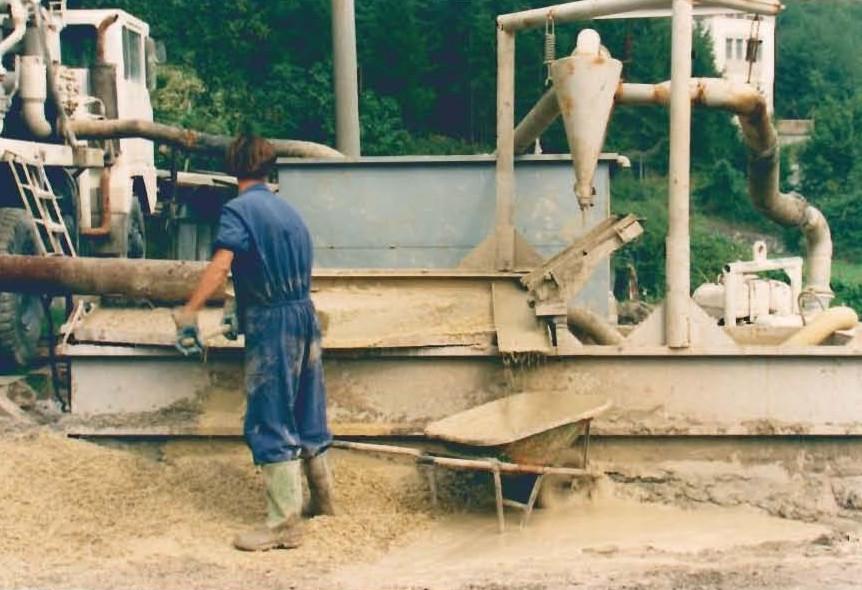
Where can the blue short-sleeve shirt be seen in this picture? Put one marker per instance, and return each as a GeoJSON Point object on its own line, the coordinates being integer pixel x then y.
{"type": "Point", "coordinates": [271, 245]}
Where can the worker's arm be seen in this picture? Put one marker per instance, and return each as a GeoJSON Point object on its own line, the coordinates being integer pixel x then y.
{"type": "Point", "coordinates": [212, 279]}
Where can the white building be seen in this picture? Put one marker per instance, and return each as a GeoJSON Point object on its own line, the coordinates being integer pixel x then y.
{"type": "Point", "coordinates": [730, 34]}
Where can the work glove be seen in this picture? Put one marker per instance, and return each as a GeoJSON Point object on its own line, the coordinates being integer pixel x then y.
{"type": "Point", "coordinates": [230, 320]}
{"type": "Point", "coordinates": [188, 334]}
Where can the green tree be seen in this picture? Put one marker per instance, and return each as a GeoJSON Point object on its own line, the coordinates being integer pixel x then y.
{"type": "Point", "coordinates": [832, 170]}
{"type": "Point", "coordinates": [819, 45]}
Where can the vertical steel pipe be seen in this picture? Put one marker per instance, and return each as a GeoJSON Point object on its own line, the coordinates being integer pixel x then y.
{"type": "Point", "coordinates": [678, 242]}
{"type": "Point", "coordinates": [505, 177]}
{"type": "Point", "coordinates": [346, 78]}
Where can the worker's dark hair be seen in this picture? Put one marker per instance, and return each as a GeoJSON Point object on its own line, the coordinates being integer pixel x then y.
{"type": "Point", "coordinates": [250, 156]}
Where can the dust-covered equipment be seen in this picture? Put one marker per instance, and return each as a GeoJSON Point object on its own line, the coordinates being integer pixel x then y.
{"type": "Point", "coordinates": [457, 281]}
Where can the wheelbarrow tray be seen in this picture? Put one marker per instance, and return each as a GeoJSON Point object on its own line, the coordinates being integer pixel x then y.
{"type": "Point", "coordinates": [523, 434]}
{"type": "Point", "coordinates": [532, 427]}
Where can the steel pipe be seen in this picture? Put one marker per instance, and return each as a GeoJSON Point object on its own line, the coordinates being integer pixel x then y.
{"type": "Point", "coordinates": [572, 11]}
{"type": "Point", "coordinates": [589, 9]}
{"type": "Point", "coordinates": [741, 99]}
{"type": "Point", "coordinates": [344, 63]}
{"type": "Point", "coordinates": [187, 139]}
{"type": "Point", "coordinates": [791, 209]}
{"type": "Point", "coordinates": [18, 18]}
{"type": "Point", "coordinates": [678, 257]}
{"type": "Point", "coordinates": [101, 37]}
{"type": "Point", "coordinates": [163, 281]}
{"type": "Point", "coordinates": [33, 93]}
{"type": "Point", "coordinates": [505, 172]}
{"type": "Point", "coordinates": [544, 112]}
{"type": "Point", "coordinates": [593, 325]}
{"type": "Point", "coordinates": [761, 140]}
{"type": "Point", "coordinates": [50, 65]}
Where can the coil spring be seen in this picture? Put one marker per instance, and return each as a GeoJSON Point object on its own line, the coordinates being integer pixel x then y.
{"type": "Point", "coordinates": [550, 47]}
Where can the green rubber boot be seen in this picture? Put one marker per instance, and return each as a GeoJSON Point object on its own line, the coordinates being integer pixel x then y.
{"type": "Point", "coordinates": [283, 527]}
{"type": "Point", "coordinates": [319, 486]}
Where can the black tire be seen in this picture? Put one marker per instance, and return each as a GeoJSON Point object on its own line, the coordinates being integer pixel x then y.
{"type": "Point", "coordinates": [21, 316]}
{"type": "Point", "coordinates": [136, 237]}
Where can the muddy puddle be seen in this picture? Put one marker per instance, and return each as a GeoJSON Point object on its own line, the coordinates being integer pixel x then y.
{"type": "Point", "coordinates": [74, 514]}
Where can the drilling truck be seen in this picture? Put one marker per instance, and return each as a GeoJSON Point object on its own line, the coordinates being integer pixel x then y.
{"type": "Point", "coordinates": [77, 138]}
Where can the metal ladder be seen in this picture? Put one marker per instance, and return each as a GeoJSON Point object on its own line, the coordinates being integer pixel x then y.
{"type": "Point", "coordinates": [51, 234]}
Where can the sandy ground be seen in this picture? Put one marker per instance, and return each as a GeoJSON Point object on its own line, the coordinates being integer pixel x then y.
{"type": "Point", "coordinates": [74, 514]}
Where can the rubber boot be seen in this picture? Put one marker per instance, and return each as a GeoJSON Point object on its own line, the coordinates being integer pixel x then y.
{"type": "Point", "coordinates": [319, 486]}
{"type": "Point", "coordinates": [282, 529]}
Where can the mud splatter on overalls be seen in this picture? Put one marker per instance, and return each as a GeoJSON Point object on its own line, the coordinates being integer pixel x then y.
{"type": "Point", "coordinates": [286, 413]}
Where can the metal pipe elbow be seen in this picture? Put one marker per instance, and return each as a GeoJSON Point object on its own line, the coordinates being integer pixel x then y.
{"type": "Point", "coordinates": [819, 240]}
{"type": "Point", "coordinates": [34, 94]}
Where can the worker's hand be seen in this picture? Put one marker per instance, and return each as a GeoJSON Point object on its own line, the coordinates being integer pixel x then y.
{"type": "Point", "coordinates": [230, 320]}
{"type": "Point", "coordinates": [188, 334]}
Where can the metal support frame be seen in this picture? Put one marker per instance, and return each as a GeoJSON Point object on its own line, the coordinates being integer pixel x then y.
{"type": "Point", "coordinates": [495, 467]}
{"type": "Point", "coordinates": [678, 260]}
{"type": "Point", "coordinates": [589, 9]}
{"type": "Point", "coordinates": [344, 63]}
{"type": "Point", "coordinates": [505, 229]}
{"type": "Point", "coordinates": [678, 257]}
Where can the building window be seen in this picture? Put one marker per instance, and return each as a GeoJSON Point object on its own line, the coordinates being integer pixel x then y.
{"type": "Point", "coordinates": [728, 49]}
{"type": "Point", "coordinates": [739, 53]}
{"type": "Point", "coordinates": [133, 67]}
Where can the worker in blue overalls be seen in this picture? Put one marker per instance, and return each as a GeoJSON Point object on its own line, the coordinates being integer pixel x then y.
{"type": "Point", "coordinates": [266, 245]}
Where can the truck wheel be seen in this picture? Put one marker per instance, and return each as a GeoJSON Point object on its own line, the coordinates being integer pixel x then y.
{"type": "Point", "coordinates": [136, 240]}
{"type": "Point", "coordinates": [21, 316]}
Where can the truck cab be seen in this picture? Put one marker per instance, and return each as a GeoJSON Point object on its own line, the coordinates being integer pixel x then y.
{"type": "Point", "coordinates": [61, 65]}
{"type": "Point", "coordinates": [127, 47]}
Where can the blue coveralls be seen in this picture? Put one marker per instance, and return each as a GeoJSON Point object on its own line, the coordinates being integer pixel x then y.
{"type": "Point", "coordinates": [286, 404]}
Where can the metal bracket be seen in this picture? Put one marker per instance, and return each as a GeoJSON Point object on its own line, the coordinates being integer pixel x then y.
{"type": "Point", "coordinates": [555, 283]}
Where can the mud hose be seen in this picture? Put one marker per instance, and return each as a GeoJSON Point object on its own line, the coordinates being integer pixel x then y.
{"type": "Point", "coordinates": [187, 139]}
{"type": "Point", "coordinates": [585, 321]}
{"type": "Point", "coordinates": [104, 228]}
{"type": "Point", "coordinates": [761, 141]}
{"type": "Point", "coordinates": [823, 326]}
{"type": "Point", "coordinates": [791, 210]}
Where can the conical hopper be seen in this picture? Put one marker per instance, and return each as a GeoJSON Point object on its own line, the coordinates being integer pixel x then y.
{"type": "Point", "coordinates": [585, 84]}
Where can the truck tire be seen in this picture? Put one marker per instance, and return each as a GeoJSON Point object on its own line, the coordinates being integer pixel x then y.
{"type": "Point", "coordinates": [21, 316]}
{"type": "Point", "coordinates": [136, 237]}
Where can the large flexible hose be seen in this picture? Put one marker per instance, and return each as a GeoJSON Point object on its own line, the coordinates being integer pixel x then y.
{"type": "Point", "coordinates": [823, 326]}
{"type": "Point", "coordinates": [187, 139]}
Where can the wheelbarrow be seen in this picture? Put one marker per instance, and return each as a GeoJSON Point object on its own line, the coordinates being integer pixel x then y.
{"type": "Point", "coordinates": [527, 434]}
